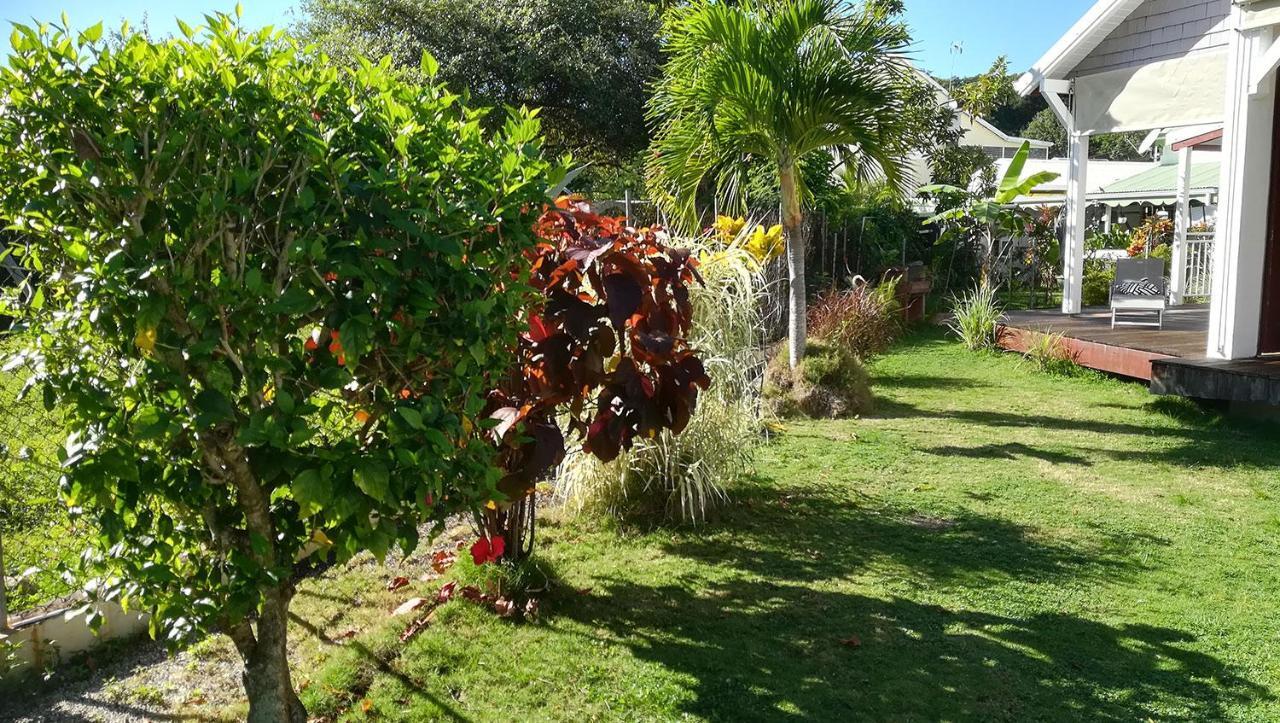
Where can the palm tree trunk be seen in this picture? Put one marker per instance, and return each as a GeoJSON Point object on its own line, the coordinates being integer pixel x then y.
{"type": "Point", "coordinates": [793, 226]}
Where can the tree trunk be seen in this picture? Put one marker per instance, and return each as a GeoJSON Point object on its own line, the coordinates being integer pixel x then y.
{"type": "Point", "coordinates": [793, 226]}
{"type": "Point", "coordinates": [516, 526]}
{"type": "Point", "coordinates": [266, 678]}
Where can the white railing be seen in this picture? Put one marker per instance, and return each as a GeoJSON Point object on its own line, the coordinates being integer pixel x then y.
{"type": "Point", "coordinates": [1199, 266]}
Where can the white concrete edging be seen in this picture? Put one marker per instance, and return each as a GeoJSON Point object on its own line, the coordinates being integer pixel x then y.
{"type": "Point", "coordinates": [45, 640]}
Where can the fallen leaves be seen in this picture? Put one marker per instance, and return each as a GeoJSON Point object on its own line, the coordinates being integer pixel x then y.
{"type": "Point", "coordinates": [446, 592]}
{"type": "Point", "coordinates": [442, 560]}
{"type": "Point", "coordinates": [416, 627]}
{"type": "Point", "coordinates": [397, 582]}
{"type": "Point", "coordinates": [853, 641]}
{"type": "Point", "coordinates": [408, 606]}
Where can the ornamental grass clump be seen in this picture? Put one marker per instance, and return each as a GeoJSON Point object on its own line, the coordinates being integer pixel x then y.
{"type": "Point", "coordinates": [975, 318]}
{"type": "Point", "coordinates": [272, 295]}
{"type": "Point", "coordinates": [830, 383]}
{"type": "Point", "coordinates": [1049, 354]}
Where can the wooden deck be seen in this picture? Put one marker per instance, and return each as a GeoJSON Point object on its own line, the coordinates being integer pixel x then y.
{"type": "Point", "coordinates": [1124, 350]}
{"type": "Point", "coordinates": [1171, 359]}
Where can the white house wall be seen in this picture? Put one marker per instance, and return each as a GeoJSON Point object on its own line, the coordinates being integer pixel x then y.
{"type": "Point", "coordinates": [1160, 30]}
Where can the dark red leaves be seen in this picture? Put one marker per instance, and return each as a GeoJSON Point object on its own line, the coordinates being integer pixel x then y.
{"type": "Point", "coordinates": [607, 349]}
{"type": "Point", "coordinates": [442, 560]}
{"type": "Point", "coordinates": [397, 582]}
{"type": "Point", "coordinates": [446, 592]}
{"type": "Point", "coordinates": [623, 298]}
{"type": "Point", "coordinates": [487, 549]}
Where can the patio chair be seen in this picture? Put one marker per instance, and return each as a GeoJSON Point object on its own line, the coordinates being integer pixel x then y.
{"type": "Point", "coordinates": [1139, 290]}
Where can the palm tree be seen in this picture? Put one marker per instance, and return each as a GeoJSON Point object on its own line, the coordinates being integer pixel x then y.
{"type": "Point", "coordinates": [777, 80]}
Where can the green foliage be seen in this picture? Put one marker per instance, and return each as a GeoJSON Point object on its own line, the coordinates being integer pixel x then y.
{"type": "Point", "coordinates": [993, 89]}
{"type": "Point", "coordinates": [1165, 253]}
{"type": "Point", "coordinates": [41, 543]}
{"type": "Point", "coordinates": [268, 302]}
{"type": "Point", "coordinates": [956, 165]}
{"type": "Point", "coordinates": [776, 81]}
{"type": "Point", "coordinates": [981, 221]}
{"type": "Point", "coordinates": [1119, 237]}
{"type": "Point", "coordinates": [1049, 354]}
{"type": "Point", "coordinates": [586, 64]}
{"type": "Point", "coordinates": [1098, 278]}
{"type": "Point", "coordinates": [829, 383]}
{"type": "Point", "coordinates": [975, 318]}
{"type": "Point", "coordinates": [1045, 126]}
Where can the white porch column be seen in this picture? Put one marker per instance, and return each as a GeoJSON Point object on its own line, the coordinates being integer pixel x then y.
{"type": "Point", "coordinates": [1074, 215]}
{"type": "Point", "coordinates": [1181, 224]}
{"type": "Point", "coordinates": [1239, 246]}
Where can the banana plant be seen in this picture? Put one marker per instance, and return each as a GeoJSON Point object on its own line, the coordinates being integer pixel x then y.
{"type": "Point", "coordinates": [995, 216]}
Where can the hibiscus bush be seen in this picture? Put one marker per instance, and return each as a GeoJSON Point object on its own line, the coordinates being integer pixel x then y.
{"type": "Point", "coordinates": [606, 350]}
{"type": "Point", "coordinates": [267, 300]}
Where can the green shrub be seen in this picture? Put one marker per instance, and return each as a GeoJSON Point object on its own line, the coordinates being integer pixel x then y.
{"type": "Point", "coordinates": [1098, 278]}
{"type": "Point", "coordinates": [975, 318]}
{"type": "Point", "coordinates": [829, 383]}
{"type": "Point", "coordinates": [272, 303]}
{"type": "Point", "coordinates": [1049, 353]}
{"type": "Point", "coordinates": [683, 477]}
{"type": "Point", "coordinates": [1164, 252]}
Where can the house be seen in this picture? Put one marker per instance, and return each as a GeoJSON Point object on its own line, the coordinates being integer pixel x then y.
{"type": "Point", "coordinates": [975, 131]}
{"type": "Point", "coordinates": [1204, 70]}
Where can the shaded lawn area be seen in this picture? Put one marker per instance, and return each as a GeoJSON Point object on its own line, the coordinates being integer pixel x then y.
{"type": "Point", "coordinates": [994, 544]}
{"type": "Point", "coordinates": [1001, 544]}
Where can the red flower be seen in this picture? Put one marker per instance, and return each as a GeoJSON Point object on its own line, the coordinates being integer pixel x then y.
{"type": "Point", "coordinates": [487, 550]}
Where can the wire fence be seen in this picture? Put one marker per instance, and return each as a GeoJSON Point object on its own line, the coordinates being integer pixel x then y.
{"type": "Point", "coordinates": [37, 535]}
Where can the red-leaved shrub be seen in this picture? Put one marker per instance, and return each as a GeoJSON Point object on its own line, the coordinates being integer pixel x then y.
{"type": "Point", "coordinates": [861, 321]}
{"type": "Point", "coordinates": [606, 351]}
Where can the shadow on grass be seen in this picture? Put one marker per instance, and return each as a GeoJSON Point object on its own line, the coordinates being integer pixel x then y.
{"type": "Point", "coordinates": [1010, 451]}
{"type": "Point", "coordinates": [769, 638]}
{"type": "Point", "coordinates": [382, 664]}
{"type": "Point", "coordinates": [760, 650]}
{"type": "Point", "coordinates": [812, 534]}
{"type": "Point", "coordinates": [926, 381]}
{"type": "Point", "coordinates": [1227, 444]}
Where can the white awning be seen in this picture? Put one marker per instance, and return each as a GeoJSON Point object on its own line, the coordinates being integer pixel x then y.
{"type": "Point", "coordinates": [1180, 92]}
{"type": "Point", "coordinates": [1260, 14]}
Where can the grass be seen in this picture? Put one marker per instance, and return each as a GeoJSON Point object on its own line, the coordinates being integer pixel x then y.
{"type": "Point", "coordinates": [38, 535]}
{"type": "Point", "coordinates": [1001, 544]}
{"type": "Point", "coordinates": [992, 544]}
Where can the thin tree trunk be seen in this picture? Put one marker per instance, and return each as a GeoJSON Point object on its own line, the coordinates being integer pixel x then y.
{"type": "Point", "coordinates": [265, 653]}
{"type": "Point", "coordinates": [792, 225]}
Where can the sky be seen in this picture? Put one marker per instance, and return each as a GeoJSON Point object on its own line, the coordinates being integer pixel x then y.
{"type": "Point", "coordinates": [984, 29]}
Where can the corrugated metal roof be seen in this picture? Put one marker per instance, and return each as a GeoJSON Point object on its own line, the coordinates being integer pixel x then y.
{"type": "Point", "coordinates": [1165, 178]}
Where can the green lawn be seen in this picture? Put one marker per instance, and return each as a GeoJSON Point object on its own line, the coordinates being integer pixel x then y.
{"type": "Point", "coordinates": [994, 544]}
{"type": "Point", "coordinates": [1002, 545]}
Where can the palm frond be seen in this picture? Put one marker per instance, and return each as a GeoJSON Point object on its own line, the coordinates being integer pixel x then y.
{"type": "Point", "coordinates": [776, 79]}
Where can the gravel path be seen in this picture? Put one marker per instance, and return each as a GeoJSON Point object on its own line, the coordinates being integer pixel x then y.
{"type": "Point", "coordinates": [138, 680]}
